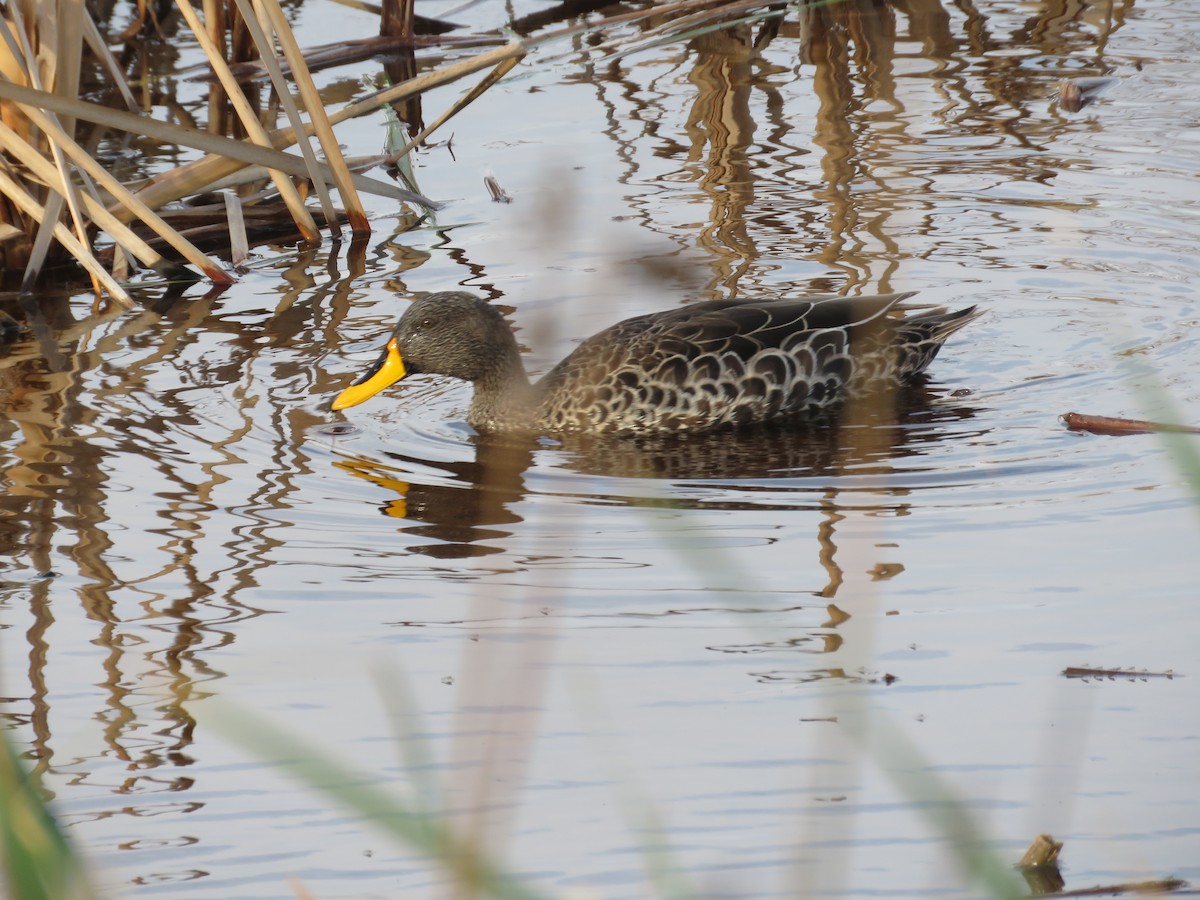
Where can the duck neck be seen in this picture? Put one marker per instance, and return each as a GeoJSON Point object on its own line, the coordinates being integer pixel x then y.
{"type": "Point", "coordinates": [503, 398]}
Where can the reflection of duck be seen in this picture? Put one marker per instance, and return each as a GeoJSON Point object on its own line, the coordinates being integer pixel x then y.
{"type": "Point", "coordinates": [455, 509]}
{"type": "Point", "coordinates": [887, 437]}
{"type": "Point", "coordinates": [722, 362]}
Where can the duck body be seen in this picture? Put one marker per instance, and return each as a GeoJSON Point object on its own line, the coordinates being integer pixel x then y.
{"type": "Point", "coordinates": [705, 366]}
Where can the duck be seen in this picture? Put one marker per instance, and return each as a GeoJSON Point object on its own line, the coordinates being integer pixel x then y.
{"type": "Point", "coordinates": [701, 367]}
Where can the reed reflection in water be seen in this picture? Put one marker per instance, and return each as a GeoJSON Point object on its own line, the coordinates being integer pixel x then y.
{"type": "Point", "coordinates": [907, 127]}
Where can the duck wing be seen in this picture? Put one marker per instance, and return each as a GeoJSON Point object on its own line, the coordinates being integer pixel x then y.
{"type": "Point", "coordinates": [747, 327]}
{"type": "Point", "coordinates": [727, 361]}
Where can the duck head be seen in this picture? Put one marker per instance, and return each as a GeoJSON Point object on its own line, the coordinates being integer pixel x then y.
{"type": "Point", "coordinates": [450, 333]}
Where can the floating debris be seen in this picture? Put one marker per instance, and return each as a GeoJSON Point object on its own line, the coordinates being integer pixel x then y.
{"type": "Point", "coordinates": [499, 195]}
{"type": "Point", "coordinates": [1039, 866]}
{"type": "Point", "coordinates": [884, 571]}
{"type": "Point", "coordinates": [1112, 674]}
{"type": "Point", "coordinates": [1076, 93]}
{"type": "Point", "coordinates": [1116, 426]}
{"type": "Point", "coordinates": [1160, 886]}
{"type": "Point", "coordinates": [1042, 852]}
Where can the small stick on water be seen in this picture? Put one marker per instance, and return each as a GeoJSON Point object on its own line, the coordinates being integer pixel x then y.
{"type": "Point", "coordinates": [1039, 865]}
{"type": "Point", "coordinates": [499, 195]}
{"type": "Point", "coordinates": [1095, 672]}
{"type": "Point", "coordinates": [1109, 425]}
{"type": "Point", "coordinates": [1161, 886]}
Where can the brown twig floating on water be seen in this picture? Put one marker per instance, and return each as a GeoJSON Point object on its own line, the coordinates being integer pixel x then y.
{"type": "Point", "coordinates": [1110, 425]}
{"type": "Point", "coordinates": [1159, 886]}
{"type": "Point", "coordinates": [1039, 866]}
{"type": "Point", "coordinates": [1131, 674]}
{"type": "Point", "coordinates": [1076, 93]}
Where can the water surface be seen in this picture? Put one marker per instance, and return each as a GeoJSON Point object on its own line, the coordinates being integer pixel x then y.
{"type": "Point", "coordinates": [593, 649]}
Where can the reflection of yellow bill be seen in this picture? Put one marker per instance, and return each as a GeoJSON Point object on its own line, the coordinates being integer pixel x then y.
{"type": "Point", "coordinates": [397, 508]}
{"type": "Point", "coordinates": [386, 371]}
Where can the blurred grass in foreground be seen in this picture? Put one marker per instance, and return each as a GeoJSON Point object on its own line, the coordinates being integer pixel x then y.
{"type": "Point", "coordinates": [38, 862]}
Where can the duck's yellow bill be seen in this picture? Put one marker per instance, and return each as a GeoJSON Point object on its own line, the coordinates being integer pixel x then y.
{"type": "Point", "coordinates": [387, 371]}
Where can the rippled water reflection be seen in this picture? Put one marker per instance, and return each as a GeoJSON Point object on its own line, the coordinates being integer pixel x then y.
{"type": "Point", "coordinates": [563, 635]}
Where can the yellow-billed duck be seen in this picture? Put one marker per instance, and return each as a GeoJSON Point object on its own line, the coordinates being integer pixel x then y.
{"type": "Point", "coordinates": [694, 368]}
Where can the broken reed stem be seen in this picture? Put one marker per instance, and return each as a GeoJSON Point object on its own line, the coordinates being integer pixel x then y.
{"type": "Point", "coordinates": [239, 246]}
{"type": "Point", "coordinates": [1117, 426]}
{"type": "Point", "coordinates": [68, 38]}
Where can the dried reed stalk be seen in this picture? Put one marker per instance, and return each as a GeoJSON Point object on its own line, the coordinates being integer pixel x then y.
{"type": "Point", "coordinates": [28, 205]}
{"type": "Point", "coordinates": [129, 202]}
{"type": "Point", "coordinates": [254, 128]}
{"type": "Point", "coordinates": [215, 167]}
{"type": "Point", "coordinates": [317, 116]}
{"type": "Point", "coordinates": [41, 168]}
{"type": "Point", "coordinates": [258, 26]}
{"type": "Point", "coordinates": [230, 154]}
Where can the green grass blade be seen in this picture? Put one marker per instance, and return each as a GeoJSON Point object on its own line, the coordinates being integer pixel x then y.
{"type": "Point", "coordinates": [890, 749]}
{"type": "Point", "coordinates": [38, 862]}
